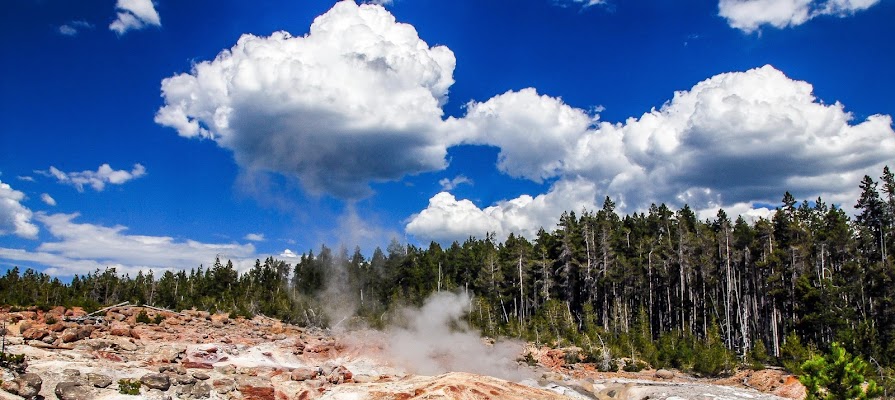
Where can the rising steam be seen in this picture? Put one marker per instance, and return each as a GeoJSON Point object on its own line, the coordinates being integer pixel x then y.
{"type": "Point", "coordinates": [434, 339]}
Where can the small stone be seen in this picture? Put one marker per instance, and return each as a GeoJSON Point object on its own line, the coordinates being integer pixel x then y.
{"type": "Point", "coordinates": [29, 385]}
{"type": "Point", "coordinates": [365, 378]}
{"type": "Point", "coordinates": [201, 390]}
{"type": "Point", "coordinates": [120, 329]}
{"type": "Point", "coordinates": [314, 383]}
{"type": "Point", "coordinates": [156, 381]}
{"type": "Point", "coordinates": [99, 380]}
{"type": "Point", "coordinates": [224, 385]}
{"type": "Point", "coordinates": [201, 376]}
{"type": "Point", "coordinates": [339, 375]}
{"type": "Point", "coordinates": [303, 374]}
{"type": "Point", "coordinates": [35, 333]}
{"type": "Point", "coordinates": [73, 391]}
{"type": "Point", "coordinates": [183, 380]}
{"type": "Point", "coordinates": [70, 335]}
{"type": "Point", "coordinates": [664, 374]}
{"type": "Point", "coordinates": [71, 373]}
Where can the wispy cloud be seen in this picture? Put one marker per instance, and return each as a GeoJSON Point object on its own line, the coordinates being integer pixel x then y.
{"type": "Point", "coordinates": [134, 15]}
{"type": "Point", "coordinates": [579, 3]}
{"type": "Point", "coordinates": [254, 237]}
{"type": "Point", "coordinates": [74, 27]}
{"type": "Point", "coordinates": [47, 199]}
{"type": "Point", "coordinates": [95, 179]}
{"type": "Point", "coordinates": [449, 184]}
{"type": "Point", "coordinates": [82, 247]}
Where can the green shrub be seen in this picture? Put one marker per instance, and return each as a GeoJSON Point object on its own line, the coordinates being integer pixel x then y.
{"type": "Point", "coordinates": [158, 319]}
{"type": "Point", "coordinates": [634, 366]}
{"type": "Point", "coordinates": [129, 386]}
{"type": "Point", "coordinates": [837, 375]}
{"type": "Point", "coordinates": [15, 362]}
{"type": "Point", "coordinates": [793, 354]}
{"type": "Point", "coordinates": [143, 318]}
{"type": "Point", "coordinates": [758, 356]}
{"type": "Point", "coordinates": [712, 357]}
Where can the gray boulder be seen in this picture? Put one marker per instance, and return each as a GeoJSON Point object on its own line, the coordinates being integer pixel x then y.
{"type": "Point", "coordinates": [156, 381]}
{"type": "Point", "coordinates": [664, 374]}
{"type": "Point", "coordinates": [99, 380]}
{"type": "Point", "coordinates": [73, 391]}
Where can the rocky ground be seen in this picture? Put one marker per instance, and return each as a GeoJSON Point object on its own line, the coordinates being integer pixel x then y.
{"type": "Point", "coordinates": [197, 355]}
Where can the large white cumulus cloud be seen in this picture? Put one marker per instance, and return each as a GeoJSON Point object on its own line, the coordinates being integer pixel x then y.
{"type": "Point", "coordinates": [733, 140]}
{"type": "Point", "coordinates": [750, 15]}
{"type": "Point", "coordinates": [15, 218]}
{"type": "Point", "coordinates": [534, 132]}
{"type": "Point", "coordinates": [357, 99]}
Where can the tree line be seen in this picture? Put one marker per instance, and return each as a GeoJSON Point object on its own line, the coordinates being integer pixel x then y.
{"type": "Point", "coordinates": [661, 286]}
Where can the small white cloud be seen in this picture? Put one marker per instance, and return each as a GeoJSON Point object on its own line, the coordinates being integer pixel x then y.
{"type": "Point", "coordinates": [73, 28]}
{"type": "Point", "coordinates": [15, 218]}
{"type": "Point", "coordinates": [67, 30]}
{"type": "Point", "coordinates": [288, 254]}
{"type": "Point", "coordinates": [81, 248]}
{"type": "Point", "coordinates": [25, 178]}
{"type": "Point", "coordinates": [95, 179]}
{"type": "Point", "coordinates": [447, 219]}
{"type": "Point", "coordinates": [750, 15]}
{"type": "Point", "coordinates": [255, 237]}
{"type": "Point", "coordinates": [449, 184]}
{"type": "Point", "coordinates": [582, 3]}
{"type": "Point", "coordinates": [134, 14]}
{"type": "Point", "coordinates": [46, 198]}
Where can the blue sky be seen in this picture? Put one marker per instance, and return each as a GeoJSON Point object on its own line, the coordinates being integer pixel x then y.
{"type": "Point", "coordinates": [160, 134]}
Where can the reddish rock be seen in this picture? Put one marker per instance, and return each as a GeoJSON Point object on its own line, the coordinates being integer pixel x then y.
{"type": "Point", "coordinates": [120, 330]}
{"type": "Point", "coordinates": [257, 392]}
{"type": "Point", "coordinates": [57, 327]}
{"type": "Point", "coordinates": [224, 385]}
{"type": "Point", "coordinates": [108, 356]}
{"type": "Point", "coordinates": [295, 391]}
{"type": "Point", "coordinates": [69, 336]}
{"type": "Point", "coordinates": [35, 333]}
{"type": "Point", "coordinates": [303, 374]}
{"type": "Point", "coordinates": [28, 315]}
{"type": "Point", "coordinates": [339, 375]}
{"type": "Point", "coordinates": [791, 388]}
{"type": "Point", "coordinates": [135, 334]}
{"type": "Point", "coordinates": [194, 364]}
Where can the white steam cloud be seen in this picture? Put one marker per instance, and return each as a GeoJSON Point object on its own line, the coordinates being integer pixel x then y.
{"type": "Point", "coordinates": [436, 340]}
